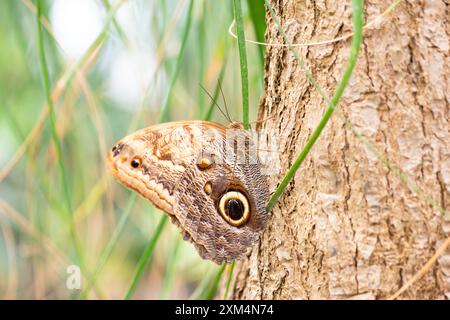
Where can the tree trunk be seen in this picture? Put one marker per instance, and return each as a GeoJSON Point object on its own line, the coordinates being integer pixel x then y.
{"type": "Point", "coordinates": [347, 226]}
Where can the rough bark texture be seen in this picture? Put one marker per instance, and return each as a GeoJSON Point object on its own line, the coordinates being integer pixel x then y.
{"type": "Point", "coordinates": [347, 226]}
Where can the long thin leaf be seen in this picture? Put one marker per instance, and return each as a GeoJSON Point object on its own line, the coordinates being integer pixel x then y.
{"type": "Point", "coordinates": [211, 293]}
{"type": "Point", "coordinates": [56, 140]}
{"type": "Point", "coordinates": [164, 115]}
{"type": "Point", "coordinates": [110, 246]}
{"type": "Point", "coordinates": [145, 258]}
{"type": "Point", "coordinates": [230, 277]}
{"type": "Point", "coordinates": [202, 286]}
{"type": "Point", "coordinates": [243, 61]}
{"type": "Point", "coordinates": [258, 16]}
{"type": "Point", "coordinates": [170, 270]}
{"type": "Point", "coordinates": [202, 56]}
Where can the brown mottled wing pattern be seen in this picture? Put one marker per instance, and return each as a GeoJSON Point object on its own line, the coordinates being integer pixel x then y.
{"type": "Point", "coordinates": [170, 178]}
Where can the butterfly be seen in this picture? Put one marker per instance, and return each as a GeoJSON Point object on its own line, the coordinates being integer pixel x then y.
{"type": "Point", "coordinates": [205, 176]}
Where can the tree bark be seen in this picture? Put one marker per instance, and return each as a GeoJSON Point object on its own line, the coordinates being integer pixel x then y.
{"type": "Point", "coordinates": [347, 226]}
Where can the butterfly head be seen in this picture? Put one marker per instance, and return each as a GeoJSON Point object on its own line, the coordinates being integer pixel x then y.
{"type": "Point", "coordinates": [126, 155]}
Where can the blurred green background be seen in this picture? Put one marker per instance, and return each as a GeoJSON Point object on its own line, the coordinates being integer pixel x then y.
{"type": "Point", "coordinates": [113, 66]}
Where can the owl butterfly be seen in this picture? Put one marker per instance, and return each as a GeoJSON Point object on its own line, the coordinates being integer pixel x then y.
{"type": "Point", "coordinates": [205, 176]}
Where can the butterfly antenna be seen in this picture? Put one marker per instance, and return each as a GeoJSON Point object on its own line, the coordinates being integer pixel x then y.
{"type": "Point", "coordinates": [224, 101]}
{"type": "Point", "coordinates": [213, 100]}
{"type": "Point", "coordinates": [262, 120]}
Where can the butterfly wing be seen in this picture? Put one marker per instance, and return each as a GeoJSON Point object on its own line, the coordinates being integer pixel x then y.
{"type": "Point", "coordinates": [188, 170]}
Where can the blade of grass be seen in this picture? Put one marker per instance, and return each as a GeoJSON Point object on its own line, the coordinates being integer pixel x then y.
{"type": "Point", "coordinates": [145, 258]}
{"type": "Point", "coordinates": [213, 287]}
{"type": "Point", "coordinates": [230, 277]}
{"type": "Point", "coordinates": [425, 268]}
{"type": "Point", "coordinates": [201, 30]}
{"type": "Point", "coordinates": [170, 270]}
{"type": "Point", "coordinates": [243, 61]}
{"type": "Point", "coordinates": [42, 182]}
{"type": "Point", "coordinates": [12, 275]}
{"type": "Point", "coordinates": [258, 16]}
{"type": "Point", "coordinates": [203, 285]}
{"type": "Point", "coordinates": [110, 246]}
{"type": "Point", "coordinates": [210, 294]}
{"type": "Point", "coordinates": [164, 115]}
{"type": "Point", "coordinates": [56, 141]}
{"type": "Point", "coordinates": [63, 82]}
{"type": "Point", "coordinates": [357, 12]}
{"type": "Point", "coordinates": [160, 59]}
{"type": "Point", "coordinates": [117, 26]}
{"type": "Point", "coordinates": [58, 257]}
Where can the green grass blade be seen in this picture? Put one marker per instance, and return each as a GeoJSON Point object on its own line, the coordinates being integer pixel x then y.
{"type": "Point", "coordinates": [230, 277]}
{"type": "Point", "coordinates": [258, 15]}
{"type": "Point", "coordinates": [201, 31]}
{"type": "Point", "coordinates": [170, 270]}
{"type": "Point", "coordinates": [211, 293]}
{"type": "Point", "coordinates": [56, 140]}
{"type": "Point", "coordinates": [42, 182]}
{"type": "Point", "coordinates": [117, 26]}
{"type": "Point", "coordinates": [202, 286]}
{"type": "Point", "coordinates": [145, 258]}
{"type": "Point", "coordinates": [356, 43]}
{"type": "Point", "coordinates": [110, 246]}
{"type": "Point", "coordinates": [243, 61]}
{"type": "Point", "coordinates": [52, 114]}
{"type": "Point", "coordinates": [164, 116]}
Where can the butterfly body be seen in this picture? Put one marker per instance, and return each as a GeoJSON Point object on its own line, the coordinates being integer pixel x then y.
{"type": "Point", "coordinates": [205, 176]}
